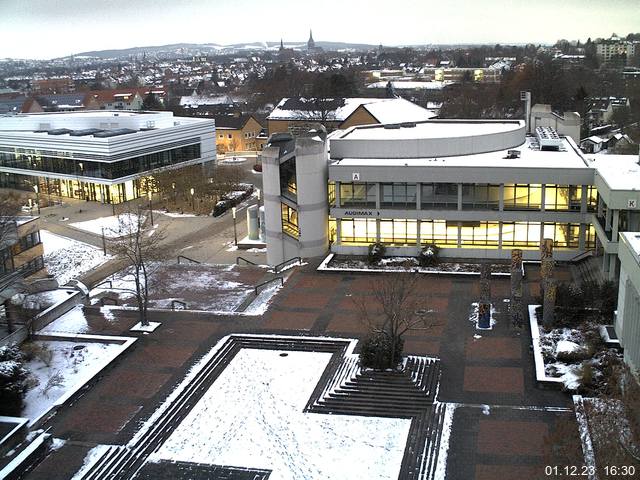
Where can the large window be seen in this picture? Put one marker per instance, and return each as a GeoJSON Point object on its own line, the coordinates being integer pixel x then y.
{"type": "Point", "coordinates": [331, 194]}
{"type": "Point", "coordinates": [399, 195]}
{"type": "Point", "coordinates": [479, 234]}
{"type": "Point", "coordinates": [480, 197]}
{"type": "Point", "coordinates": [521, 234]}
{"type": "Point", "coordinates": [522, 196]}
{"type": "Point", "coordinates": [398, 232]}
{"type": "Point", "coordinates": [290, 220]}
{"type": "Point", "coordinates": [439, 195]}
{"type": "Point", "coordinates": [564, 235]}
{"type": "Point", "coordinates": [288, 185]}
{"type": "Point", "coordinates": [592, 199]}
{"type": "Point", "coordinates": [562, 197]}
{"type": "Point", "coordinates": [439, 232]}
{"type": "Point", "coordinates": [361, 195]}
{"type": "Point", "coordinates": [361, 231]}
{"type": "Point", "coordinates": [62, 162]}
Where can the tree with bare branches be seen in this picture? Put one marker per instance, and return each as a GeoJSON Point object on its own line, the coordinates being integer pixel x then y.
{"type": "Point", "coordinates": [139, 245]}
{"type": "Point", "coordinates": [397, 308]}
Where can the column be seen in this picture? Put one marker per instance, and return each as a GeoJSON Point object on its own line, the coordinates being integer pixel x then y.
{"type": "Point", "coordinates": [378, 225]}
{"type": "Point", "coordinates": [582, 238]}
{"type": "Point", "coordinates": [418, 200]}
{"type": "Point", "coordinates": [418, 242]}
{"type": "Point", "coordinates": [583, 198]}
{"type": "Point", "coordinates": [613, 259]}
{"type": "Point", "coordinates": [501, 208]}
{"type": "Point", "coordinates": [459, 207]}
{"type": "Point", "coordinates": [614, 225]}
{"type": "Point", "coordinates": [607, 220]}
{"type": "Point", "coordinates": [378, 200]}
{"type": "Point", "coordinates": [338, 202]}
{"type": "Point", "coordinates": [600, 206]}
{"type": "Point", "coordinates": [543, 196]}
{"type": "Point", "coordinates": [338, 230]}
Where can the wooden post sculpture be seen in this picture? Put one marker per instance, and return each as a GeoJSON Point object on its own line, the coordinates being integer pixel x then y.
{"type": "Point", "coordinates": [484, 307]}
{"type": "Point", "coordinates": [515, 302]}
{"type": "Point", "coordinates": [549, 305]}
{"type": "Point", "coordinates": [547, 286]}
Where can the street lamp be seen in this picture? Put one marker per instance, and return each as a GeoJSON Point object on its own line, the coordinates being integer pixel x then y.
{"type": "Point", "coordinates": [235, 231]}
{"type": "Point", "coordinates": [193, 207]}
{"type": "Point", "coordinates": [104, 243]}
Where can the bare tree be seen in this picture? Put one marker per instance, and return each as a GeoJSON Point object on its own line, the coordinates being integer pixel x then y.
{"type": "Point", "coordinates": [140, 247]}
{"type": "Point", "coordinates": [397, 308]}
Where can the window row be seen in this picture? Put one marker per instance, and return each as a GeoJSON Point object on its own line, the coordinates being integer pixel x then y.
{"type": "Point", "coordinates": [107, 170]}
{"type": "Point", "coordinates": [473, 196]}
{"type": "Point", "coordinates": [464, 234]}
{"type": "Point", "coordinates": [290, 220]}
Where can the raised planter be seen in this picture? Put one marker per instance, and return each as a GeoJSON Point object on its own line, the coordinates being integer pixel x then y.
{"type": "Point", "coordinates": [541, 377]}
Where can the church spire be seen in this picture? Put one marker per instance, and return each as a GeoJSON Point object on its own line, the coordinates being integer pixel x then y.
{"type": "Point", "coordinates": [281, 45]}
{"type": "Point", "coordinates": [311, 44]}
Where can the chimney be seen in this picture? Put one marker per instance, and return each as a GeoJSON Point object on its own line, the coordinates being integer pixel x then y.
{"type": "Point", "coordinates": [526, 98]}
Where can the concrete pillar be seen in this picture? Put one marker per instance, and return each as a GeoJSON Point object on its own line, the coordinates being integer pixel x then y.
{"type": "Point", "coordinates": [615, 222]}
{"type": "Point", "coordinates": [459, 205]}
{"type": "Point", "coordinates": [252, 222]}
{"type": "Point", "coordinates": [543, 196]}
{"type": "Point", "coordinates": [338, 231]}
{"type": "Point", "coordinates": [378, 229]}
{"type": "Point", "coordinates": [582, 239]}
{"type": "Point", "coordinates": [378, 195]}
{"type": "Point", "coordinates": [583, 198]}
{"type": "Point", "coordinates": [501, 204]}
{"type": "Point", "coordinates": [263, 235]}
{"type": "Point", "coordinates": [418, 199]}
{"type": "Point", "coordinates": [605, 263]}
{"type": "Point", "coordinates": [418, 241]}
{"type": "Point", "coordinates": [600, 206]}
{"type": "Point", "coordinates": [613, 268]}
{"type": "Point", "coordinates": [607, 220]}
{"type": "Point", "coordinates": [338, 201]}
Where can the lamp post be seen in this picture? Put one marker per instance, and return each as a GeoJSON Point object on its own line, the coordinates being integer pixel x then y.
{"type": "Point", "coordinates": [150, 209]}
{"type": "Point", "coordinates": [193, 207]}
{"type": "Point", "coordinates": [104, 243]}
{"type": "Point", "coordinates": [235, 230]}
{"type": "Point", "coordinates": [36, 187]}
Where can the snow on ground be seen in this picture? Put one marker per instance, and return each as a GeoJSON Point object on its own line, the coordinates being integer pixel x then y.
{"type": "Point", "coordinates": [261, 303]}
{"type": "Point", "coordinates": [73, 321]}
{"type": "Point", "coordinates": [175, 214]}
{"type": "Point", "coordinates": [66, 258]}
{"type": "Point", "coordinates": [73, 367]}
{"type": "Point", "coordinates": [114, 226]}
{"type": "Point", "coordinates": [138, 327]}
{"type": "Point", "coordinates": [252, 416]}
{"type": "Point", "coordinates": [43, 300]}
{"type": "Point", "coordinates": [569, 373]}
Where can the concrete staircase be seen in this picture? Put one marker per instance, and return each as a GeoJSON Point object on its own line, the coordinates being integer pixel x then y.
{"type": "Point", "coordinates": [588, 269]}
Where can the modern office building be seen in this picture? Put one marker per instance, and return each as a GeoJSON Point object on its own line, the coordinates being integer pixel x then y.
{"type": "Point", "coordinates": [98, 155]}
{"type": "Point", "coordinates": [628, 317]}
{"type": "Point", "coordinates": [20, 247]}
{"type": "Point", "coordinates": [477, 189]}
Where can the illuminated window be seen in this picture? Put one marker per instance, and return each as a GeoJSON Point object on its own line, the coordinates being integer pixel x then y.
{"type": "Point", "coordinates": [398, 232]}
{"type": "Point", "coordinates": [522, 196]}
{"type": "Point", "coordinates": [360, 231]}
{"type": "Point", "coordinates": [562, 197]}
{"type": "Point", "coordinates": [332, 230]}
{"type": "Point", "coordinates": [592, 199]}
{"type": "Point", "coordinates": [479, 234]}
{"type": "Point", "coordinates": [331, 194]}
{"type": "Point", "coordinates": [290, 220]}
{"type": "Point", "coordinates": [288, 186]}
{"type": "Point", "coordinates": [358, 195]}
{"type": "Point", "coordinates": [439, 233]}
{"type": "Point", "coordinates": [521, 234]}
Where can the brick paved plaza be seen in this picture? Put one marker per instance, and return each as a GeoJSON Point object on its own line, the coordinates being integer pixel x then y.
{"type": "Point", "coordinates": [499, 426]}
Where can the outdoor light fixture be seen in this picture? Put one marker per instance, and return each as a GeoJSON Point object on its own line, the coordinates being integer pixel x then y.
{"type": "Point", "coordinates": [235, 230]}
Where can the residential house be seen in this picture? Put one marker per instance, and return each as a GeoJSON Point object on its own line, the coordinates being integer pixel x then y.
{"type": "Point", "coordinates": [238, 134]}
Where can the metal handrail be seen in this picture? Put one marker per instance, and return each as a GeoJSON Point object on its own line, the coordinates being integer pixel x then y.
{"type": "Point", "coordinates": [278, 267]}
{"type": "Point", "coordinates": [581, 256]}
{"type": "Point", "coordinates": [255, 289]}
{"type": "Point", "coordinates": [102, 283]}
{"type": "Point", "coordinates": [187, 258]}
{"type": "Point", "coordinates": [245, 260]}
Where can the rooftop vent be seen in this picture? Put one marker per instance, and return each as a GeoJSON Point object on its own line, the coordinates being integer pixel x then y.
{"type": "Point", "coordinates": [513, 154]}
{"type": "Point", "coordinates": [548, 138]}
{"type": "Point", "coordinates": [84, 132]}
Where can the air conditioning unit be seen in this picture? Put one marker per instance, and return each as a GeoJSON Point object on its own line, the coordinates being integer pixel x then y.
{"type": "Point", "coordinates": [513, 154]}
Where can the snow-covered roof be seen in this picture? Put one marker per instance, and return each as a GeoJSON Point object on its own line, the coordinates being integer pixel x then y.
{"type": "Point", "coordinates": [594, 139]}
{"type": "Point", "coordinates": [620, 172]}
{"type": "Point", "coordinates": [412, 85]}
{"type": "Point", "coordinates": [530, 157]}
{"type": "Point", "coordinates": [385, 110]}
{"type": "Point", "coordinates": [633, 239]}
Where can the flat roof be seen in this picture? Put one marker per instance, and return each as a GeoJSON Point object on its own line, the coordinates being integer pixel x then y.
{"type": "Point", "coordinates": [530, 157]}
{"type": "Point", "coordinates": [430, 130]}
{"type": "Point", "coordinates": [620, 172]}
{"type": "Point", "coordinates": [633, 239]}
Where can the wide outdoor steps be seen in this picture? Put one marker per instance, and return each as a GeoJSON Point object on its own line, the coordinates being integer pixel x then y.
{"type": "Point", "coordinates": [587, 270]}
{"type": "Point", "coordinates": [421, 455]}
{"type": "Point", "coordinates": [383, 394]}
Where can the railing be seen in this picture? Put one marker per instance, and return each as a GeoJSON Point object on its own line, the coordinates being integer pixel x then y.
{"type": "Point", "coordinates": [180, 305]}
{"type": "Point", "coordinates": [581, 256]}
{"type": "Point", "coordinates": [278, 268]}
{"type": "Point", "coordinates": [104, 283]}
{"type": "Point", "coordinates": [244, 260]}
{"type": "Point", "coordinates": [257, 287]}
{"type": "Point", "coordinates": [187, 258]}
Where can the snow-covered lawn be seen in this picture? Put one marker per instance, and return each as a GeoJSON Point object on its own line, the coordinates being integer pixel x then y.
{"type": "Point", "coordinates": [66, 258]}
{"type": "Point", "coordinates": [201, 287]}
{"type": "Point", "coordinates": [72, 365]}
{"type": "Point", "coordinates": [252, 416]}
{"type": "Point", "coordinates": [74, 321]}
{"type": "Point", "coordinates": [114, 226]}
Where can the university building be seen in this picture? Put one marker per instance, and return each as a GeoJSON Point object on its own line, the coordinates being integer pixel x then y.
{"type": "Point", "coordinates": [98, 155]}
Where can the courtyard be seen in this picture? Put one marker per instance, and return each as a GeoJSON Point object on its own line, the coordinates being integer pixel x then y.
{"type": "Point", "coordinates": [499, 418]}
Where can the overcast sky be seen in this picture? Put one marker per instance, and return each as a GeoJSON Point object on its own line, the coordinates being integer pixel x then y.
{"type": "Point", "coordinates": [54, 28]}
